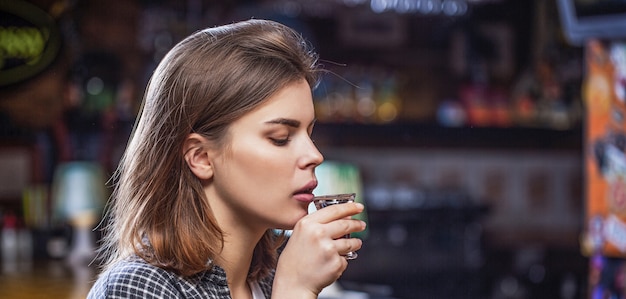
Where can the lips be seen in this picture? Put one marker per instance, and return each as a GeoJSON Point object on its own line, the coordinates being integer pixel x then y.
{"type": "Point", "coordinates": [306, 192]}
{"type": "Point", "coordinates": [308, 188]}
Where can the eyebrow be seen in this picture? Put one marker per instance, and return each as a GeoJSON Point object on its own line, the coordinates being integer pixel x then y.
{"type": "Point", "coordinates": [285, 121]}
{"type": "Point", "coordinates": [289, 122]}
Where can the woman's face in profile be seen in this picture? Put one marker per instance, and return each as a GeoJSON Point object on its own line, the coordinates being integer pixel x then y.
{"type": "Point", "coordinates": [265, 175]}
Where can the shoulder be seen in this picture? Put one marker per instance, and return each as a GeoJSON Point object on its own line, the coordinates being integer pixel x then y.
{"type": "Point", "coordinates": [134, 278]}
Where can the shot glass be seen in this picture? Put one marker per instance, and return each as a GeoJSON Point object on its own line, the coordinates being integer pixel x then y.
{"type": "Point", "coordinates": [323, 201]}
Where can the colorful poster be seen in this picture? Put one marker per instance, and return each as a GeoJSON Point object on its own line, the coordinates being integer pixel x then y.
{"type": "Point", "coordinates": [604, 240]}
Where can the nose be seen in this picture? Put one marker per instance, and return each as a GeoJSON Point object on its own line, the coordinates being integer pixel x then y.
{"type": "Point", "coordinates": [312, 157]}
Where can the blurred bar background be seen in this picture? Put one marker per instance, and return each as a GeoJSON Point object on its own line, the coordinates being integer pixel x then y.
{"type": "Point", "coordinates": [463, 118]}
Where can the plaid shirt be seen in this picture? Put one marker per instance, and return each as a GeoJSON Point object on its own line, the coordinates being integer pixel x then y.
{"type": "Point", "coordinates": [134, 278]}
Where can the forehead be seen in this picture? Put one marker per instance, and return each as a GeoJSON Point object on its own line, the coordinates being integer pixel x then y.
{"type": "Point", "coordinates": [293, 101]}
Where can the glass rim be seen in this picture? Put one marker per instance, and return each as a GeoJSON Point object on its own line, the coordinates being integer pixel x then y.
{"type": "Point", "coordinates": [334, 196]}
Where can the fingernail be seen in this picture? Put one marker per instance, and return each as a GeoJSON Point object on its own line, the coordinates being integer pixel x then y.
{"type": "Point", "coordinates": [360, 205]}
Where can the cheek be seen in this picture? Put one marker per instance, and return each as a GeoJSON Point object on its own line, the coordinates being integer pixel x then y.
{"type": "Point", "coordinates": [261, 165]}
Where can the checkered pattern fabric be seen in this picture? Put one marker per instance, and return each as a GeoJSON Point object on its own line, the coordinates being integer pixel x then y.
{"type": "Point", "coordinates": [134, 278]}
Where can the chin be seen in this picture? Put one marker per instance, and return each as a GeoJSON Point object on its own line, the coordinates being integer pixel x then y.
{"type": "Point", "coordinates": [290, 224]}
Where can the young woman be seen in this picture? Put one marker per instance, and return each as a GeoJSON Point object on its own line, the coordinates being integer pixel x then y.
{"type": "Point", "coordinates": [220, 160]}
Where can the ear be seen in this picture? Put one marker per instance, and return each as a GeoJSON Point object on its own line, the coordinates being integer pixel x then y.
{"type": "Point", "coordinates": [196, 153]}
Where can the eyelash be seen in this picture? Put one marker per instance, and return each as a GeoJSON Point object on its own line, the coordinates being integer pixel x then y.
{"type": "Point", "coordinates": [285, 141]}
{"type": "Point", "coordinates": [280, 142]}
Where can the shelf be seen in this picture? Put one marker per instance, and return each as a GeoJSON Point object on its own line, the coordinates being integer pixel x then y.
{"type": "Point", "coordinates": [429, 136]}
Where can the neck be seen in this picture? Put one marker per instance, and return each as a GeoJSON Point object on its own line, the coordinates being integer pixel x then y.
{"type": "Point", "coordinates": [235, 259]}
{"type": "Point", "coordinates": [240, 239]}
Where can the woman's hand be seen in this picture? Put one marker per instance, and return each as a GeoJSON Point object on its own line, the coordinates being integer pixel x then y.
{"type": "Point", "coordinates": [314, 256]}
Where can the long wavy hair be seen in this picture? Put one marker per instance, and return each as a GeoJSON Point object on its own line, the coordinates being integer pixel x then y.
{"type": "Point", "coordinates": [158, 209]}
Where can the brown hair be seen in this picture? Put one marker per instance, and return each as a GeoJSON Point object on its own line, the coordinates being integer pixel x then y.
{"type": "Point", "coordinates": [159, 210]}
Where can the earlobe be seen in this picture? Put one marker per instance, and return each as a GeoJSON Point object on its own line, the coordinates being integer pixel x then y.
{"type": "Point", "coordinates": [196, 155]}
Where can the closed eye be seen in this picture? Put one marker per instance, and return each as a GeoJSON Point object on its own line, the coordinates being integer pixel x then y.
{"type": "Point", "coordinates": [280, 142]}
{"type": "Point", "coordinates": [290, 124]}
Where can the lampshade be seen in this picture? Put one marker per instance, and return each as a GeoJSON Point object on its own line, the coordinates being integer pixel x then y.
{"type": "Point", "coordinates": [78, 191]}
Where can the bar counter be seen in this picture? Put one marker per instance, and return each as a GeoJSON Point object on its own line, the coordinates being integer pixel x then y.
{"type": "Point", "coordinates": [50, 279]}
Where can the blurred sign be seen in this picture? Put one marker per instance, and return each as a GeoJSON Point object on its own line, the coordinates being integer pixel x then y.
{"type": "Point", "coordinates": [29, 41]}
{"type": "Point", "coordinates": [605, 147]}
{"type": "Point", "coordinates": [604, 238]}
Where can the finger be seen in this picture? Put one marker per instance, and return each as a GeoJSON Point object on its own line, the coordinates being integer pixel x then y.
{"type": "Point", "coordinates": [335, 212]}
{"type": "Point", "coordinates": [348, 245]}
{"type": "Point", "coordinates": [339, 228]}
